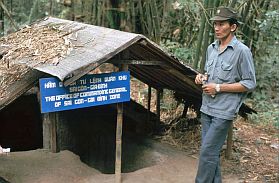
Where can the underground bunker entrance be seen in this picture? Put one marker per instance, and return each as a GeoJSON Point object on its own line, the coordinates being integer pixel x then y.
{"type": "Point", "coordinates": [90, 133]}
{"type": "Point", "coordinates": [21, 124]}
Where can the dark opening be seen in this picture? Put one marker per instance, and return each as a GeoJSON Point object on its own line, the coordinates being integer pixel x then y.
{"type": "Point", "coordinates": [21, 125]}
{"type": "Point", "coordinates": [90, 133]}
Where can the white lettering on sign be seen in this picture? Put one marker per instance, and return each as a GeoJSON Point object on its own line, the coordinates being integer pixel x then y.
{"type": "Point", "coordinates": [98, 86]}
{"type": "Point", "coordinates": [117, 90]}
{"type": "Point", "coordinates": [68, 102]}
{"type": "Point", "coordinates": [50, 84]}
{"type": "Point", "coordinates": [83, 81]}
{"type": "Point", "coordinates": [78, 88]}
{"type": "Point", "coordinates": [95, 80]}
{"type": "Point", "coordinates": [79, 101]}
{"type": "Point", "coordinates": [50, 99]}
{"type": "Point", "coordinates": [122, 78]}
{"type": "Point", "coordinates": [91, 99]}
{"type": "Point", "coordinates": [57, 104]}
{"type": "Point", "coordinates": [114, 96]}
{"type": "Point", "coordinates": [110, 78]}
{"type": "Point", "coordinates": [102, 98]}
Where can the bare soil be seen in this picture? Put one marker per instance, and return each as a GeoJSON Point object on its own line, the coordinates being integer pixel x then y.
{"type": "Point", "coordinates": [41, 166]}
{"type": "Point", "coordinates": [255, 159]}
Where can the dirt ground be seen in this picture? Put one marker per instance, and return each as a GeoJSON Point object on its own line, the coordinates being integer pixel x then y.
{"type": "Point", "coordinates": [41, 166]}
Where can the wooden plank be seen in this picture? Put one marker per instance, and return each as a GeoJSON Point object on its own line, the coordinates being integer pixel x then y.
{"type": "Point", "coordinates": [19, 87]}
{"type": "Point", "coordinates": [138, 62]}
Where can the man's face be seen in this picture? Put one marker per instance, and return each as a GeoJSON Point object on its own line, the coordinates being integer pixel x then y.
{"type": "Point", "coordinates": [223, 29]}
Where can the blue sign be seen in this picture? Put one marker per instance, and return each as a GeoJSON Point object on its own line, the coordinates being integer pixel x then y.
{"type": "Point", "coordinates": [90, 90]}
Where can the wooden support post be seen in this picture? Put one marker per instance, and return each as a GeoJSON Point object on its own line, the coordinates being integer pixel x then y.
{"type": "Point", "coordinates": [148, 104]}
{"type": "Point", "coordinates": [49, 131]}
{"type": "Point", "coordinates": [118, 150]}
{"type": "Point", "coordinates": [158, 108]}
{"type": "Point", "coordinates": [229, 143]}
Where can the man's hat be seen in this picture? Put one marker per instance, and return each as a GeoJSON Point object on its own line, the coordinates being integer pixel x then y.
{"type": "Point", "coordinates": [224, 13]}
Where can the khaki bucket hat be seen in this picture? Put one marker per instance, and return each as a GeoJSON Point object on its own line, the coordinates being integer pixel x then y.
{"type": "Point", "coordinates": [224, 13]}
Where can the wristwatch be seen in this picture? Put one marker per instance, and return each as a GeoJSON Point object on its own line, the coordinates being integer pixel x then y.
{"type": "Point", "coordinates": [217, 88]}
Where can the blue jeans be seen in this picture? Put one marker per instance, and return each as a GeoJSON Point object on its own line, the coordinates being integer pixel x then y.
{"type": "Point", "coordinates": [214, 132]}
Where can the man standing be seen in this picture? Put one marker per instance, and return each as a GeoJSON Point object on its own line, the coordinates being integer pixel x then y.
{"type": "Point", "coordinates": [230, 75]}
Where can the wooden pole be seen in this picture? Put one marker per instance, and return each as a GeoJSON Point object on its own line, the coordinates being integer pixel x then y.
{"type": "Point", "coordinates": [158, 108]}
{"type": "Point", "coordinates": [148, 104]}
{"type": "Point", "coordinates": [49, 131]}
{"type": "Point", "coordinates": [118, 150]}
{"type": "Point", "coordinates": [229, 143]}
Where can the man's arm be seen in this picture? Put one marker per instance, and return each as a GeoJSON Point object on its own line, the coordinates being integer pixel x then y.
{"type": "Point", "coordinates": [210, 88]}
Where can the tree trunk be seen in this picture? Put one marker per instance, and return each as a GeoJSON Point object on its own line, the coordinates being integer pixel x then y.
{"type": "Point", "coordinates": [233, 3]}
{"type": "Point", "coordinates": [200, 36]}
{"type": "Point", "coordinates": [3, 7]}
{"type": "Point", "coordinates": [2, 28]}
{"type": "Point", "coordinates": [133, 16]}
{"type": "Point", "coordinates": [142, 21]}
{"type": "Point", "coordinates": [208, 28]}
{"type": "Point", "coordinates": [156, 21]}
{"type": "Point", "coordinates": [93, 13]}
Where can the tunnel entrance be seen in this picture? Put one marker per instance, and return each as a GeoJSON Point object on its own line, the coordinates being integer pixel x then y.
{"type": "Point", "coordinates": [21, 124]}
{"type": "Point", "coordinates": [90, 133]}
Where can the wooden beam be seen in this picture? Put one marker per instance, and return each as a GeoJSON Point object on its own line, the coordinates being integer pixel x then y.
{"type": "Point", "coordinates": [138, 62]}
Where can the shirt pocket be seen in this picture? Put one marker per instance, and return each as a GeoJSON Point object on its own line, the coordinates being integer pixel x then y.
{"type": "Point", "coordinates": [225, 73]}
{"type": "Point", "coordinates": [209, 66]}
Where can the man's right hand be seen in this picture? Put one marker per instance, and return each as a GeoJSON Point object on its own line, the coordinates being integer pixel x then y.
{"type": "Point", "coordinates": [199, 79]}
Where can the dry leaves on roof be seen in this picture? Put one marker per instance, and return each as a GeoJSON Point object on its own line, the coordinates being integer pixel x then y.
{"type": "Point", "coordinates": [32, 46]}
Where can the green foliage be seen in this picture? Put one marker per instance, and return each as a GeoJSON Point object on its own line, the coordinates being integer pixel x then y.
{"type": "Point", "coordinates": [181, 52]}
{"type": "Point", "coordinates": [266, 97]}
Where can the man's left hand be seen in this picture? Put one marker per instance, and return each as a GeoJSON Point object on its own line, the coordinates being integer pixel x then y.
{"type": "Point", "coordinates": [209, 88]}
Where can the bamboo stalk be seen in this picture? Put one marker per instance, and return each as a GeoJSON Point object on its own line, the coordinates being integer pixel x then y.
{"type": "Point", "coordinates": [149, 20]}
{"type": "Point", "coordinates": [206, 35]}
{"type": "Point", "coordinates": [93, 12]}
{"type": "Point", "coordinates": [8, 14]}
{"type": "Point", "coordinates": [200, 37]}
{"type": "Point", "coordinates": [133, 15]}
{"type": "Point", "coordinates": [155, 20]}
{"type": "Point", "coordinates": [140, 7]}
{"type": "Point", "coordinates": [99, 12]}
{"type": "Point", "coordinates": [109, 14]}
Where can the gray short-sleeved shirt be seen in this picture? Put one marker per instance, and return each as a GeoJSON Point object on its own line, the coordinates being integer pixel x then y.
{"type": "Point", "coordinates": [234, 64]}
